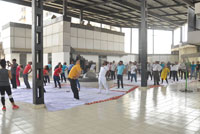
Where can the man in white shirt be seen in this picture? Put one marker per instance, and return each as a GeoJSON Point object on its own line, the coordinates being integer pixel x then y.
{"type": "Point", "coordinates": [134, 72]}
{"type": "Point", "coordinates": [129, 69]}
{"type": "Point", "coordinates": [156, 69]}
{"type": "Point", "coordinates": [102, 77]}
{"type": "Point", "coordinates": [113, 69]}
{"type": "Point", "coordinates": [149, 71]}
{"type": "Point", "coordinates": [175, 71]}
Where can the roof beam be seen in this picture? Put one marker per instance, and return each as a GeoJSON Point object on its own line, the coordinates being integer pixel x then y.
{"type": "Point", "coordinates": [98, 4]}
{"type": "Point", "coordinates": [149, 12]}
{"type": "Point", "coordinates": [168, 6]}
{"type": "Point", "coordinates": [175, 14]}
{"type": "Point", "coordinates": [188, 2]}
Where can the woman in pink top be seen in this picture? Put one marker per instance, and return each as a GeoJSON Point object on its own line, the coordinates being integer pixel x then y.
{"type": "Point", "coordinates": [19, 68]}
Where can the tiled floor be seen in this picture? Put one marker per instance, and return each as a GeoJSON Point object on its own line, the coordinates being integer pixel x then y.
{"type": "Point", "coordinates": [161, 110]}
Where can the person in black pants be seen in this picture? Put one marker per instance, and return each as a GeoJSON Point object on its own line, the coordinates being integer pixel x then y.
{"type": "Point", "coordinates": [175, 71]}
{"type": "Point", "coordinates": [5, 75]}
{"type": "Point", "coordinates": [73, 76]}
{"type": "Point", "coordinates": [120, 72]}
{"type": "Point", "coordinates": [13, 72]}
{"type": "Point", "coordinates": [113, 69]}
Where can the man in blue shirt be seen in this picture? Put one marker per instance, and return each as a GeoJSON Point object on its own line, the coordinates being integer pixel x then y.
{"type": "Point", "coordinates": [193, 69]}
{"type": "Point", "coordinates": [120, 72]}
{"type": "Point", "coordinates": [64, 68]}
{"type": "Point", "coordinates": [70, 66]}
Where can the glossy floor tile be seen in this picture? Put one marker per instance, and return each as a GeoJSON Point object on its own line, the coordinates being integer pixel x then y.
{"type": "Point", "coordinates": [161, 110]}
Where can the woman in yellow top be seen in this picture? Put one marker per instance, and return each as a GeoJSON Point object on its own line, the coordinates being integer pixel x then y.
{"type": "Point", "coordinates": [164, 73]}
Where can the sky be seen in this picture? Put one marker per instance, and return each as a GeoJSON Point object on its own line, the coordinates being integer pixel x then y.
{"type": "Point", "coordinates": [8, 12]}
{"type": "Point", "coordinates": [162, 39]}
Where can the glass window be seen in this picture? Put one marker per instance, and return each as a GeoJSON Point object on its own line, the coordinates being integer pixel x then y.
{"type": "Point", "coordinates": [150, 41]}
{"type": "Point", "coordinates": [135, 40]}
{"type": "Point", "coordinates": [105, 26]}
{"type": "Point", "coordinates": [95, 24]}
{"type": "Point", "coordinates": [177, 36]}
{"type": "Point", "coordinates": [75, 20]}
{"type": "Point", "coordinates": [162, 42]}
{"type": "Point", "coordinates": [185, 32]}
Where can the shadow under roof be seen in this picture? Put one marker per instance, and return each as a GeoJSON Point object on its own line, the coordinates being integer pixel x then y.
{"type": "Point", "coordinates": [162, 14]}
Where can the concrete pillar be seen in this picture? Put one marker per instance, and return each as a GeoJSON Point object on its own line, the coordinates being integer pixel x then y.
{"type": "Point", "coordinates": [81, 16]}
{"type": "Point", "coordinates": [143, 54]}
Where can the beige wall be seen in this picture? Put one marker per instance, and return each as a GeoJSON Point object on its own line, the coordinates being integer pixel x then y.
{"type": "Point", "coordinates": [188, 50]}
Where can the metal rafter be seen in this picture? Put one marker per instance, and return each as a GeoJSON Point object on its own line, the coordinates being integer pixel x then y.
{"type": "Point", "coordinates": [149, 13]}
{"type": "Point", "coordinates": [112, 12]}
{"type": "Point", "coordinates": [164, 6]}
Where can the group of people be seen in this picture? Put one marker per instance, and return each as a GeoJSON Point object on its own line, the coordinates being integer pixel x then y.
{"type": "Point", "coordinates": [156, 71]}
{"type": "Point", "coordinates": [12, 71]}
{"type": "Point", "coordinates": [164, 71]}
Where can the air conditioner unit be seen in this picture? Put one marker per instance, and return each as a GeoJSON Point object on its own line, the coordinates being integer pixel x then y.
{"type": "Point", "coordinates": [197, 10]}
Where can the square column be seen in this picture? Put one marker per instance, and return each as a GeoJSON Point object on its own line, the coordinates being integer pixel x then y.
{"type": "Point", "coordinates": [143, 43]}
{"type": "Point", "coordinates": [37, 51]}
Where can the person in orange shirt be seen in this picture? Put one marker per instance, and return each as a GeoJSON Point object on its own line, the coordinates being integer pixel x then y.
{"type": "Point", "coordinates": [73, 76]}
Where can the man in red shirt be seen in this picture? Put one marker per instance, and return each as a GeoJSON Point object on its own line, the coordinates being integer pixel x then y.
{"type": "Point", "coordinates": [56, 76]}
{"type": "Point", "coordinates": [27, 71]}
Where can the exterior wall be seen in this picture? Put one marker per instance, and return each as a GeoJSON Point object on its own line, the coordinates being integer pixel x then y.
{"type": "Point", "coordinates": [29, 58]}
{"type": "Point", "coordinates": [193, 37]}
{"type": "Point", "coordinates": [125, 58]}
{"type": "Point", "coordinates": [57, 41]}
{"type": "Point", "coordinates": [45, 59]}
{"type": "Point", "coordinates": [188, 50]}
{"type": "Point", "coordinates": [163, 58]}
{"type": "Point", "coordinates": [16, 38]}
{"type": "Point", "coordinates": [83, 37]}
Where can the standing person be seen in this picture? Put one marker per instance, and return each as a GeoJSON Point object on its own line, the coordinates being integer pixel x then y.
{"type": "Point", "coordinates": [134, 72]}
{"type": "Point", "coordinates": [156, 71]}
{"type": "Point", "coordinates": [149, 70]}
{"type": "Point", "coordinates": [56, 76]}
{"type": "Point", "coordinates": [120, 72]}
{"type": "Point", "coordinates": [102, 77]}
{"type": "Point", "coordinates": [162, 65]}
{"type": "Point", "coordinates": [113, 69]}
{"type": "Point", "coordinates": [193, 69]}
{"type": "Point", "coordinates": [46, 74]}
{"type": "Point", "coordinates": [73, 76]}
{"type": "Point", "coordinates": [27, 71]}
{"type": "Point", "coordinates": [164, 73]}
{"type": "Point", "coordinates": [175, 71]}
{"type": "Point", "coordinates": [70, 66]}
{"type": "Point", "coordinates": [182, 67]}
{"type": "Point", "coordinates": [57, 66]}
{"type": "Point", "coordinates": [197, 70]}
{"type": "Point", "coordinates": [13, 71]}
{"type": "Point", "coordinates": [64, 68]}
{"type": "Point", "coordinates": [5, 75]}
{"type": "Point", "coordinates": [139, 67]}
{"type": "Point", "coordinates": [50, 71]}
{"type": "Point", "coordinates": [129, 69]}
{"type": "Point", "coordinates": [171, 70]}
{"type": "Point", "coordinates": [77, 81]}
{"type": "Point", "coordinates": [19, 69]}
{"type": "Point", "coordinates": [109, 70]}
